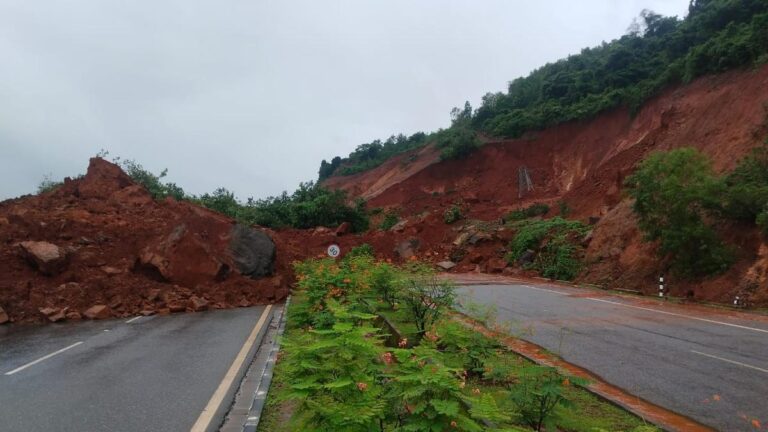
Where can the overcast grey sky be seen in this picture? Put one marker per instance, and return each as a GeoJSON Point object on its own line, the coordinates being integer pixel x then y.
{"type": "Point", "coordinates": [251, 95]}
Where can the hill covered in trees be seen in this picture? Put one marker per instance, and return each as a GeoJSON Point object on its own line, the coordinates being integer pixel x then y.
{"type": "Point", "coordinates": [656, 51]}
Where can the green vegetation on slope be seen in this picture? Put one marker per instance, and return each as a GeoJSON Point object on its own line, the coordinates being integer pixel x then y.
{"type": "Point", "coordinates": [679, 202]}
{"type": "Point", "coordinates": [309, 206]}
{"type": "Point", "coordinates": [657, 51]}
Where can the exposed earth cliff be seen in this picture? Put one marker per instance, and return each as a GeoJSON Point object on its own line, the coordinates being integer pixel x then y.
{"type": "Point", "coordinates": [583, 165]}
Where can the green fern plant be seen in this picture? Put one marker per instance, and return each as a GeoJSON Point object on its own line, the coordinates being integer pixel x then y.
{"type": "Point", "coordinates": [335, 374]}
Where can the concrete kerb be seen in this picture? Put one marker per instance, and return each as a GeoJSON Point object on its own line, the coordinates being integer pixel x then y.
{"type": "Point", "coordinates": [262, 390]}
{"type": "Point", "coordinates": [223, 409]}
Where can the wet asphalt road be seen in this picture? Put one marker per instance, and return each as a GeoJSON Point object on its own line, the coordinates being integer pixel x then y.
{"type": "Point", "coordinates": [713, 371]}
{"type": "Point", "coordinates": [152, 374]}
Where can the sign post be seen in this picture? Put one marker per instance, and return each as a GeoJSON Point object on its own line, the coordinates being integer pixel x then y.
{"type": "Point", "coordinates": [334, 250]}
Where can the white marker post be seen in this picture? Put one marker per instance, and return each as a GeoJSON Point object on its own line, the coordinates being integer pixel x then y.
{"type": "Point", "coordinates": [661, 286]}
{"type": "Point", "coordinates": [334, 250]}
{"type": "Point", "coordinates": [736, 301]}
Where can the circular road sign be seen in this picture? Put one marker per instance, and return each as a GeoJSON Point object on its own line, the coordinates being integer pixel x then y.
{"type": "Point", "coordinates": [334, 250]}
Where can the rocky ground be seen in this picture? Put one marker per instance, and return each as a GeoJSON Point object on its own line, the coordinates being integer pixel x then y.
{"type": "Point", "coordinates": [101, 246]}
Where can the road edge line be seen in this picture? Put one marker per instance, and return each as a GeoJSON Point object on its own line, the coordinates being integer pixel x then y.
{"type": "Point", "coordinates": [216, 409]}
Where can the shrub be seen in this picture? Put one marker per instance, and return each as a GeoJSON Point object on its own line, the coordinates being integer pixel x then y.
{"type": "Point", "coordinates": [362, 250]}
{"type": "Point", "coordinates": [454, 337]}
{"type": "Point", "coordinates": [425, 296]}
{"type": "Point", "coordinates": [429, 394]}
{"type": "Point", "coordinates": [326, 280]}
{"type": "Point", "coordinates": [47, 185]}
{"type": "Point", "coordinates": [452, 214]}
{"type": "Point", "coordinates": [334, 374]}
{"type": "Point", "coordinates": [746, 194]}
{"type": "Point", "coordinates": [536, 395]}
{"type": "Point", "coordinates": [390, 219]}
{"type": "Point", "coordinates": [674, 194]}
{"type": "Point", "coordinates": [536, 209]}
{"type": "Point", "coordinates": [559, 257]}
{"type": "Point", "coordinates": [384, 279]}
{"type": "Point", "coordinates": [762, 220]}
{"type": "Point", "coordinates": [153, 183]}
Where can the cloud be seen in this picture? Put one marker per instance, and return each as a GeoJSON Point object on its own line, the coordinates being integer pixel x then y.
{"type": "Point", "coordinates": [252, 95]}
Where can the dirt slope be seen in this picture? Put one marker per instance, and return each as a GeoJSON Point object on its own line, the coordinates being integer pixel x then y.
{"type": "Point", "coordinates": [584, 165]}
{"type": "Point", "coordinates": [103, 241]}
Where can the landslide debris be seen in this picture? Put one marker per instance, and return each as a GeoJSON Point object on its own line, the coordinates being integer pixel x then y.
{"type": "Point", "coordinates": [100, 246]}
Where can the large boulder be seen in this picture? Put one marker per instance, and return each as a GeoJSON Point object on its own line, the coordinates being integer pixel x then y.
{"type": "Point", "coordinates": [252, 251]}
{"type": "Point", "coordinates": [183, 257]}
{"type": "Point", "coordinates": [48, 258]}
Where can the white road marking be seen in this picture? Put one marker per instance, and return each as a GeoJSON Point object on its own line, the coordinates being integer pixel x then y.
{"type": "Point", "coordinates": [134, 319]}
{"type": "Point", "coordinates": [544, 289]}
{"type": "Point", "coordinates": [681, 315]}
{"type": "Point", "coordinates": [730, 361]}
{"type": "Point", "coordinates": [43, 358]}
{"type": "Point", "coordinates": [206, 417]}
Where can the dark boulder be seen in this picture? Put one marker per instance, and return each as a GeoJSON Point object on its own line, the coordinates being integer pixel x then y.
{"type": "Point", "coordinates": [252, 251]}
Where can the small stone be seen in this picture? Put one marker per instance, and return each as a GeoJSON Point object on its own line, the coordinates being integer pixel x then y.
{"type": "Point", "coordinates": [446, 265]}
{"type": "Point", "coordinates": [97, 312]}
{"type": "Point", "coordinates": [4, 318]}
{"type": "Point", "coordinates": [197, 304]}
{"type": "Point", "coordinates": [147, 312]}
{"type": "Point", "coordinates": [74, 316]}
{"type": "Point", "coordinates": [111, 271]}
{"type": "Point", "coordinates": [176, 307]}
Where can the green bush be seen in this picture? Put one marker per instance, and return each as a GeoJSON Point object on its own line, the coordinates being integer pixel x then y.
{"type": "Point", "coordinates": [361, 250]}
{"type": "Point", "coordinates": [391, 219]}
{"type": "Point", "coordinates": [334, 374]}
{"type": "Point", "coordinates": [452, 214]}
{"type": "Point", "coordinates": [48, 185]}
{"type": "Point", "coordinates": [538, 393]}
{"type": "Point", "coordinates": [431, 394]}
{"type": "Point", "coordinates": [475, 347]}
{"type": "Point", "coordinates": [425, 296]}
{"type": "Point", "coordinates": [533, 210]}
{"type": "Point", "coordinates": [456, 142]}
{"type": "Point", "coordinates": [560, 256]}
{"type": "Point", "coordinates": [675, 193]}
{"type": "Point", "coordinates": [153, 183]}
{"type": "Point", "coordinates": [762, 220]}
{"type": "Point", "coordinates": [746, 194]}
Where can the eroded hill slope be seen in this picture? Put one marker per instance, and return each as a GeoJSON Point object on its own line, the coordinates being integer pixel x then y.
{"type": "Point", "coordinates": [584, 164]}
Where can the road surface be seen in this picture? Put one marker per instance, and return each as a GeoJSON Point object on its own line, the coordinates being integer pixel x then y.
{"type": "Point", "coordinates": [711, 366]}
{"type": "Point", "coordinates": [150, 373]}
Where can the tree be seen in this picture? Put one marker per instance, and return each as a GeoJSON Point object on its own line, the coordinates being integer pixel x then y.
{"type": "Point", "coordinates": [675, 193]}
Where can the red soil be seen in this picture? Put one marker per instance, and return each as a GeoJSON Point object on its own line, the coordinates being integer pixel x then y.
{"type": "Point", "coordinates": [584, 165]}
{"type": "Point", "coordinates": [105, 223]}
